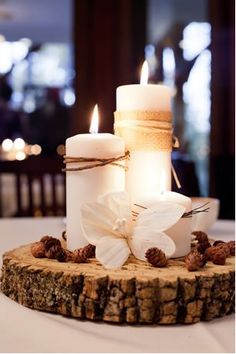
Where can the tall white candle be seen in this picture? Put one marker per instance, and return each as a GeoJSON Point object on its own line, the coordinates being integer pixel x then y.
{"type": "Point", "coordinates": [86, 185]}
{"type": "Point", "coordinates": [145, 165]}
{"type": "Point", "coordinates": [181, 231]}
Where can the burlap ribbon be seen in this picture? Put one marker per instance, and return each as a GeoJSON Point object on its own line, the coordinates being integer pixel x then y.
{"type": "Point", "coordinates": [145, 130]}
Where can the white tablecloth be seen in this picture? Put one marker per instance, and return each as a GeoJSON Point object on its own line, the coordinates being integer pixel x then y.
{"type": "Point", "coordinates": [25, 330]}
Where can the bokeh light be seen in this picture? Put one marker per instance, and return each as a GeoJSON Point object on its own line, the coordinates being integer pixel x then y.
{"type": "Point", "coordinates": [36, 149]}
{"type": "Point", "coordinates": [20, 155]}
{"type": "Point", "coordinates": [19, 144]}
{"type": "Point", "coordinates": [61, 150]}
{"type": "Point", "coordinates": [7, 145]}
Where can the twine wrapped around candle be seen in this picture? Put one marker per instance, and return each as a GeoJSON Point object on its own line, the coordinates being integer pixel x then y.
{"type": "Point", "coordinates": [145, 130]}
{"type": "Point", "coordinates": [95, 162]}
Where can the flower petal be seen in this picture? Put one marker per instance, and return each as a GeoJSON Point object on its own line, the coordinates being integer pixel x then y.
{"type": "Point", "coordinates": [118, 203]}
{"type": "Point", "coordinates": [161, 216]}
{"type": "Point", "coordinates": [98, 218]}
{"type": "Point", "coordinates": [144, 238]}
{"type": "Point", "coordinates": [112, 252]}
{"type": "Point", "coordinates": [97, 221]}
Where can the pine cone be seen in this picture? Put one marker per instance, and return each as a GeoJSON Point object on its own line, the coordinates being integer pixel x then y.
{"type": "Point", "coordinates": [156, 257]}
{"type": "Point", "coordinates": [79, 256]}
{"type": "Point", "coordinates": [38, 250]}
{"type": "Point", "coordinates": [202, 246]}
{"type": "Point", "coordinates": [45, 238]}
{"type": "Point", "coordinates": [64, 256]}
{"type": "Point", "coordinates": [211, 251]}
{"type": "Point", "coordinates": [219, 257]}
{"type": "Point", "coordinates": [89, 251]}
{"type": "Point", "coordinates": [231, 245]}
{"type": "Point", "coordinates": [218, 242]}
{"type": "Point", "coordinates": [203, 241]}
{"type": "Point", "coordinates": [50, 241]}
{"type": "Point", "coordinates": [200, 236]}
{"type": "Point", "coordinates": [194, 260]}
{"type": "Point", "coordinates": [225, 247]}
{"type": "Point", "coordinates": [204, 260]}
{"type": "Point", "coordinates": [53, 251]}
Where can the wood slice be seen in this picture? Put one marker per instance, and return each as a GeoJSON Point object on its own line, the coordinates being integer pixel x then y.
{"type": "Point", "coordinates": [137, 293]}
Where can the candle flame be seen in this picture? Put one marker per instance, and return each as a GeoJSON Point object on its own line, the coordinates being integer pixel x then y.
{"type": "Point", "coordinates": [94, 122]}
{"type": "Point", "coordinates": [144, 74]}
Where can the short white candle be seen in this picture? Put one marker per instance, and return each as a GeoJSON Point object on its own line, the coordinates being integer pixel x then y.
{"type": "Point", "coordinates": [181, 231]}
{"type": "Point", "coordinates": [86, 185]}
{"type": "Point", "coordinates": [144, 172]}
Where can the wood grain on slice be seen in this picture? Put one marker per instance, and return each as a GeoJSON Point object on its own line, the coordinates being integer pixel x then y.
{"type": "Point", "coordinates": [137, 293]}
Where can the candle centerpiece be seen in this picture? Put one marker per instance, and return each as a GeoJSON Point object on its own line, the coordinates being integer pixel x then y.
{"type": "Point", "coordinates": [90, 172]}
{"type": "Point", "coordinates": [143, 119]}
{"type": "Point", "coordinates": [130, 233]}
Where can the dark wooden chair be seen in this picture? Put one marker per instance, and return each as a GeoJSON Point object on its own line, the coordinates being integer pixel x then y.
{"type": "Point", "coordinates": [185, 169]}
{"type": "Point", "coordinates": [43, 173]}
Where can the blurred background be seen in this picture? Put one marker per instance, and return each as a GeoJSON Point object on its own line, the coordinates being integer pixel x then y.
{"type": "Point", "coordinates": [59, 58]}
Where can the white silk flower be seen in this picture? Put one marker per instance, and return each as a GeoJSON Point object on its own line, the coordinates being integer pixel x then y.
{"type": "Point", "coordinates": [109, 224]}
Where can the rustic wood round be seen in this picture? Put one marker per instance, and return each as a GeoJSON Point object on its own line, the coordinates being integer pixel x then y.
{"type": "Point", "coordinates": [137, 293]}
